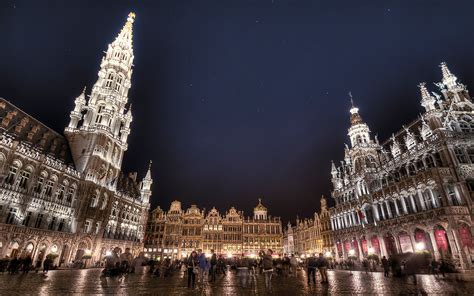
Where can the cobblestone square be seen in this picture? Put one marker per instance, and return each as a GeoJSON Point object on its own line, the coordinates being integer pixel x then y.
{"type": "Point", "coordinates": [89, 282]}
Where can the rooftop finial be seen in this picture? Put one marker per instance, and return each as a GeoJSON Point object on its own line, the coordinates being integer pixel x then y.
{"type": "Point", "coordinates": [352, 99]}
{"type": "Point", "coordinates": [149, 165]}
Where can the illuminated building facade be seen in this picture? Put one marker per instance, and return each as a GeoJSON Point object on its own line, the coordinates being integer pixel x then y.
{"type": "Point", "coordinates": [232, 234]}
{"type": "Point", "coordinates": [413, 192]}
{"type": "Point", "coordinates": [311, 235]}
{"type": "Point", "coordinates": [66, 195]}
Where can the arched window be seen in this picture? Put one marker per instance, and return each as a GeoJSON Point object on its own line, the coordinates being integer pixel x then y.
{"type": "Point", "coordinates": [104, 201]}
{"type": "Point", "coordinates": [12, 173]}
{"type": "Point", "coordinates": [40, 183]}
{"type": "Point", "coordinates": [24, 177]}
{"type": "Point", "coordinates": [95, 199]}
{"type": "Point", "coordinates": [70, 193]}
{"type": "Point", "coordinates": [48, 189]}
{"type": "Point", "coordinates": [60, 192]}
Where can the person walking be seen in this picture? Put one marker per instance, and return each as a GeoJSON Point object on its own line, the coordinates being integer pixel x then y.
{"type": "Point", "coordinates": [212, 270]}
{"type": "Point", "coordinates": [312, 265]}
{"type": "Point", "coordinates": [47, 264]}
{"type": "Point", "coordinates": [267, 263]}
{"type": "Point", "coordinates": [294, 265]}
{"type": "Point", "coordinates": [202, 260]}
{"type": "Point", "coordinates": [243, 272]}
{"type": "Point", "coordinates": [137, 263]}
{"type": "Point", "coordinates": [386, 266]}
{"type": "Point", "coordinates": [192, 266]}
{"type": "Point", "coordinates": [323, 268]}
{"type": "Point", "coordinates": [126, 259]}
{"type": "Point", "coordinates": [27, 264]}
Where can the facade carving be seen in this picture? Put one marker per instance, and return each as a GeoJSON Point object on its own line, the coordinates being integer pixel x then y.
{"type": "Point", "coordinates": [176, 233]}
{"type": "Point", "coordinates": [413, 192]}
{"type": "Point", "coordinates": [66, 195]}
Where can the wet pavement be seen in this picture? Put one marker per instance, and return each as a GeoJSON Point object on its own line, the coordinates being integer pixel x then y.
{"type": "Point", "coordinates": [89, 282]}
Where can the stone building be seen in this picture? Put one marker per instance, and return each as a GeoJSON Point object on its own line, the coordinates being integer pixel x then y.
{"type": "Point", "coordinates": [310, 235]}
{"type": "Point", "coordinates": [66, 195]}
{"type": "Point", "coordinates": [231, 235]}
{"type": "Point", "coordinates": [413, 192]}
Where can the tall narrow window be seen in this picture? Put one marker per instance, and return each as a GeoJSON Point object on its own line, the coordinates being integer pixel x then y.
{"type": "Point", "coordinates": [11, 175]}
{"type": "Point", "coordinates": [52, 223]}
{"type": "Point", "coordinates": [98, 119]}
{"type": "Point", "coordinates": [39, 220]}
{"type": "Point", "coordinates": [87, 226]}
{"type": "Point", "coordinates": [24, 176]}
{"type": "Point", "coordinates": [11, 216]}
{"type": "Point", "coordinates": [118, 84]}
{"type": "Point", "coordinates": [60, 193]}
{"type": "Point", "coordinates": [460, 155]}
{"type": "Point", "coordinates": [70, 194]}
{"type": "Point", "coordinates": [452, 196]}
{"type": "Point", "coordinates": [26, 220]}
{"type": "Point", "coordinates": [109, 80]}
{"type": "Point", "coordinates": [61, 225]}
{"type": "Point", "coordinates": [39, 184]}
{"type": "Point", "coordinates": [470, 152]}
{"type": "Point", "coordinates": [49, 188]}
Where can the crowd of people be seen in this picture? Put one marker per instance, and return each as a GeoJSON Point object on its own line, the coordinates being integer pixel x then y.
{"type": "Point", "coordinates": [201, 268]}
{"type": "Point", "coordinates": [24, 264]}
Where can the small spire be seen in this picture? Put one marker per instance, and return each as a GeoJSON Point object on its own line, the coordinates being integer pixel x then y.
{"type": "Point", "coordinates": [352, 99]}
{"type": "Point", "coordinates": [148, 173]}
{"type": "Point", "coordinates": [355, 117]}
{"type": "Point", "coordinates": [448, 78]}
{"type": "Point", "coordinates": [425, 94]}
{"type": "Point", "coordinates": [84, 90]}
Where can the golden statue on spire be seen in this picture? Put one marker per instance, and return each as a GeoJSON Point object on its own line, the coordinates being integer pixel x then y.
{"type": "Point", "coordinates": [131, 17]}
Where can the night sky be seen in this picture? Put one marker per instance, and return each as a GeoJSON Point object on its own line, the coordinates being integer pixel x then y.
{"type": "Point", "coordinates": [234, 100]}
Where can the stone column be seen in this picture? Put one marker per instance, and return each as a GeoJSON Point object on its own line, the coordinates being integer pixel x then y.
{"type": "Point", "coordinates": [382, 210]}
{"type": "Point", "coordinates": [434, 244]}
{"type": "Point", "coordinates": [365, 216]}
{"type": "Point", "coordinates": [420, 198]}
{"type": "Point", "coordinates": [397, 210]}
{"type": "Point", "coordinates": [397, 244]}
{"type": "Point", "coordinates": [453, 236]}
{"type": "Point", "coordinates": [413, 203]}
{"type": "Point", "coordinates": [361, 255]}
{"type": "Point", "coordinates": [434, 198]}
{"type": "Point", "coordinates": [404, 205]}
{"type": "Point", "coordinates": [376, 213]}
{"type": "Point", "coordinates": [383, 250]}
{"type": "Point", "coordinates": [464, 252]}
{"type": "Point", "coordinates": [389, 211]}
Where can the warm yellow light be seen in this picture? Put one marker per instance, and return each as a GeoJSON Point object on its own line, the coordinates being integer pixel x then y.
{"type": "Point", "coordinates": [420, 246]}
{"type": "Point", "coordinates": [352, 252]}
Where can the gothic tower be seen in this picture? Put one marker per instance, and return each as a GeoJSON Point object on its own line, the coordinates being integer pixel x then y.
{"type": "Point", "coordinates": [99, 127]}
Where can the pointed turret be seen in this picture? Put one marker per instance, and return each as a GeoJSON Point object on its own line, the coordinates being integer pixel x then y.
{"type": "Point", "coordinates": [146, 183]}
{"type": "Point", "coordinates": [358, 131]}
{"type": "Point", "coordinates": [427, 100]}
{"type": "Point", "coordinates": [448, 78]}
{"type": "Point", "coordinates": [76, 114]}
